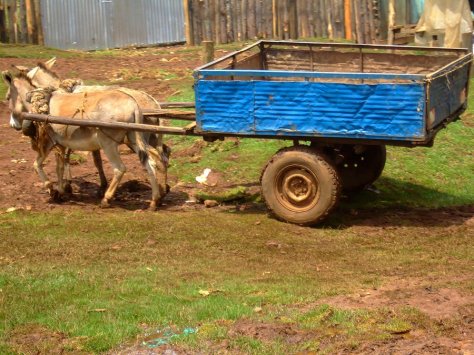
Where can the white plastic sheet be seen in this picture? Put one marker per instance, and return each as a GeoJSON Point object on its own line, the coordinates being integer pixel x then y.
{"type": "Point", "coordinates": [450, 19]}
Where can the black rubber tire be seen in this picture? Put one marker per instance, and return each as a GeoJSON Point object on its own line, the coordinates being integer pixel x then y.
{"type": "Point", "coordinates": [300, 172]}
{"type": "Point", "coordinates": [359, 166]}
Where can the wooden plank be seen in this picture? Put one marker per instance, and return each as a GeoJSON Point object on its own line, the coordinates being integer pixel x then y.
{"type": "Point", "coordinates": [103, 124]}
{"type": "Point", "coordinates": [173, 114]}
{"type": "Point", "coordinates": [190, 126]}
{"type": "Point", "coordinates": [177, 104]}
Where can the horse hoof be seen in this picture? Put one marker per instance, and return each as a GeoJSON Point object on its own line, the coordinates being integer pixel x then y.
{"type": "Point", "coordinates": [101, 193]}
{"type": "Point", "coordinates": [168, 188]}
{"type": "Point", "coordinates": [153, 206]}
{"type": "Point", "coordinates": [54, 196]}
{"type": "Point", "coordinates": [104, 204]}
{"type": "Point", "coordinates": [68, 188]}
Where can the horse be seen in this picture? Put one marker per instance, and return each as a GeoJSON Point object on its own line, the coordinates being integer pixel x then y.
{"type": "Point", "coordinates": [109, 105]}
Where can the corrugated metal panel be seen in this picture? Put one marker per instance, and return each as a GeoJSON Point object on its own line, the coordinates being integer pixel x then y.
{"type": "Point", "coordinates": [100, 24]}
{"type": "Point", "coordinates": [361, 111]}
{"type": "Point", "coordinates": [448, 94]}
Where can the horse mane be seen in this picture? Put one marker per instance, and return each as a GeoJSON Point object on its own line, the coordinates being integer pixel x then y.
{"type": "Point", "coordinates": [48, 71]}
{"type": "Point", "coordinates": [24, 76]}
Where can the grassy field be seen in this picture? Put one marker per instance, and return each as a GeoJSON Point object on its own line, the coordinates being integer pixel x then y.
{"type": "Point", "coordinates": [210, 280]}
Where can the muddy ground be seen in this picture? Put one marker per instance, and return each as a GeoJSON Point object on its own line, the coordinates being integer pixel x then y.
{"type": "Point", "coordinates": [20, 188]}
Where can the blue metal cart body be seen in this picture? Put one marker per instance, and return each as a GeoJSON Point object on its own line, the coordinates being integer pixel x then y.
{"type": "Point", "coordinates": [359, 93]}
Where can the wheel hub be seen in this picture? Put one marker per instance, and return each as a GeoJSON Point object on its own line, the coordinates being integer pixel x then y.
{"type": "Point", "coordinates": [298, 189]}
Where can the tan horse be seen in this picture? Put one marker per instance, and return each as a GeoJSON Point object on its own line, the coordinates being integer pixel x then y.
{"type": "Point", "coordinates": [42, 76]}
{"type": "Point", "coordinates": [111, 105]}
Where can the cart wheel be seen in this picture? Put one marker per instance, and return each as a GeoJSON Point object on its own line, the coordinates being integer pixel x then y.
{"type": "Point", "coordinates": [300, 185]}
{"type": "Point", "coordinates": [359, 165]}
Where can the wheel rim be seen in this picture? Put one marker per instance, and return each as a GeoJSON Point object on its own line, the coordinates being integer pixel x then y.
{"type": "Point", "coordinates": [298, 188]}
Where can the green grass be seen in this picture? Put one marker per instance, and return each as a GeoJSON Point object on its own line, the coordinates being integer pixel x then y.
{"type": "Point", "coordinates": [147, 269]}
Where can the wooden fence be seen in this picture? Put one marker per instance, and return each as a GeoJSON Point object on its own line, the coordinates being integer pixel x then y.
{"type": "Point", "coordinates": [225, 21]}
{"type": "Point", "coordinates": [20, 21]}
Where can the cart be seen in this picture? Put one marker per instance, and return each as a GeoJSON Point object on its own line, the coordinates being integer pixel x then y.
{"type": "Point", "coordinates": [340, 104]}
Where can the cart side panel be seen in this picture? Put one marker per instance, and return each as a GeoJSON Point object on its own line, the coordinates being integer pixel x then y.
{"type": "Point", "coordinates": [360, 111]}
{"type": "Point", "coordinates": [225, 108]}
{"type": "Point", "coordinates": [448, 94]}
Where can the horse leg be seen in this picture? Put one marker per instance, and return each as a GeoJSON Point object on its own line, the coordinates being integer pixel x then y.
{"type": "Point", "coordinates": [38, 166]}
{"type": "Point", "coordinates": [112, 153]}
{"type": "Point", "coordinates": [157, 173]}
{"type": "Point", "coordinates": [60, 166]}
{"type": "Point", "coordinates": [100, 170]}
{"type": "Point", "coordinates": [67, 170]}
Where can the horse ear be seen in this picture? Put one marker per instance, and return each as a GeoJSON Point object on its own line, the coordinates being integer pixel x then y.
{"type": "Point", "coordinates": [31, 74]}
{"type": "Point", "coordinates": [7, 77]}
{"type": "Point", "coordinates": [50, 63]}
{"type": "Point", "coordinates": [21, 68]}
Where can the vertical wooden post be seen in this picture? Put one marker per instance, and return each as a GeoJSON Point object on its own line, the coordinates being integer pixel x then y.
{"type": "Point", "coordinates": [243, 19]}
{"type": "Point", "coordinates": [371, 19]}
{"type": "Point", "coordinates": [329, 16]}
{"type": "Point", "coordinates": [251, 20]}
{"type": "Point", "coordinates": [348, 19]}
{"type": "Point", "coordinates": [292, 19]}
{"type": "Point", "coordinates": [207, 51]}
{"type": "Point", "coordinates": [39, 22]}
{"type": "Point", "coordinates": [207, 20]}
{"type": "Point", "coordinates": [302, 9]}
{"type": "Point", "coordinates": [359, 31]}
{"type": "Point", "coordinates": [10, 14]}
{"type": "Point", "coordinates": [188, 22]}
{"type": "Point", "coordinates": [275, 18]}
{"type": "Point", "coordinates": [30, 22]}
{"type": "Point", "coordinates": [365, 13]}
{"type": "Point", "coordinates": [22, 22]}
{"type": "Point", "coordinates": [229, 22]}
{"type": "Point", "coordinates": [3, 34]}
{"type": "Point", "coordinates": [391, 21]}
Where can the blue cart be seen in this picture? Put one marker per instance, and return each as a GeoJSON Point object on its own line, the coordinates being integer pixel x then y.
{"type": "Point", "coordinates": [339, 103]}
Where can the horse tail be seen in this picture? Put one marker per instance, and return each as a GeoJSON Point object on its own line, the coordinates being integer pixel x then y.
{"type": "Point", "coordinates": [142, 145]}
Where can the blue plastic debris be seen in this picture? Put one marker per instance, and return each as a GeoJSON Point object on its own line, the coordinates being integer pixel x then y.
{"type": "Point", "coordinates": [167, 335]}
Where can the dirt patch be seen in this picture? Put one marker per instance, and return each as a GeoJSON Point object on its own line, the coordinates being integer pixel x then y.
{"type": "Point", "coordinates": [190, 152]}
{"type": "Point", "coordinates": [423, 345]}
{"type": "Point", "coordinates": [268, 332]}
{"type": "Point", "coordinates": [437, 303]}
{"type": "Point", "coordinates": [36, 339]}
